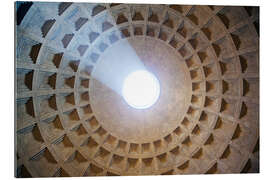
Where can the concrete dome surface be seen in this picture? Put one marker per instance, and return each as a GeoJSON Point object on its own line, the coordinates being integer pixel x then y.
{"type": "Point", "coordinates": [71, 63]}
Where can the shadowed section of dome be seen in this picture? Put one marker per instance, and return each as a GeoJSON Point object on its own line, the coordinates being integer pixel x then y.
{"type": "Point", "coordinates": [21, 9]}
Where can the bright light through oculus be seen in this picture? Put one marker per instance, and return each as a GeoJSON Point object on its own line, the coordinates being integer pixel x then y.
{"type": "Point", "coordinates": [141, 89]}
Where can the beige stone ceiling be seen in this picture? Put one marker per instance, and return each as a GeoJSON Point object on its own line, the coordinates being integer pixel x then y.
{"type": "Point", "coordinates": [70, 124]}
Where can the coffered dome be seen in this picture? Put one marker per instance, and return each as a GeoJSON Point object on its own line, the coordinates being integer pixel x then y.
{"type": "Point", "coordinates": [71, 123]}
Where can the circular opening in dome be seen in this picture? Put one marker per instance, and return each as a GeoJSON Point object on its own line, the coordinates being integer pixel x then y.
{"type": "Point", "coordinates": [141, 89]}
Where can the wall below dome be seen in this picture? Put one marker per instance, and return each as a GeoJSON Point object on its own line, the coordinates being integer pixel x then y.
{"type": "Point", "coordinates": [70, 123]}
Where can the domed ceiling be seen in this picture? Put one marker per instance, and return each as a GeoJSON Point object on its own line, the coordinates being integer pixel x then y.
{"type": "Point", "coordinates": [72, 121]}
